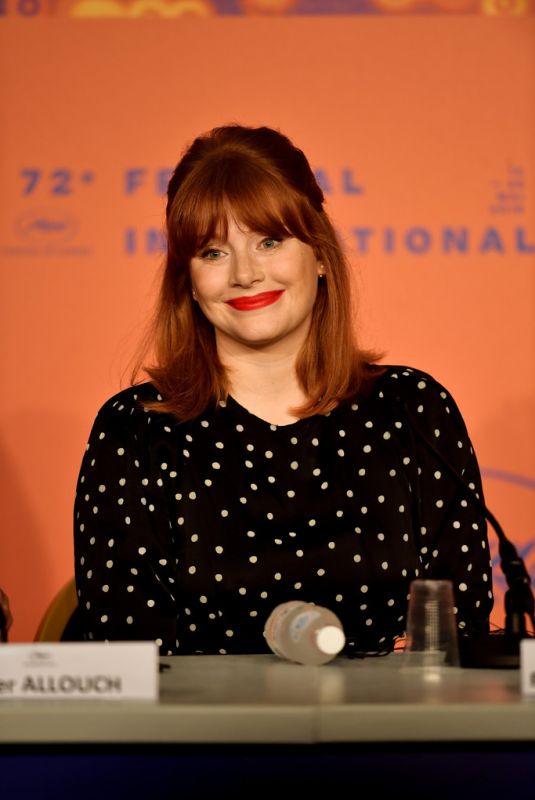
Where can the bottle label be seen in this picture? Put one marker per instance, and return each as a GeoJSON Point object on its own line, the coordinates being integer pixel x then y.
{"type": "Point", "coordinates": [301, 622]}
{"type": "Point", "coordinates": [274, 624]}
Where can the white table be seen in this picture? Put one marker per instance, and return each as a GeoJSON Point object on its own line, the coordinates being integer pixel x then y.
{"type": "Point", "coordinates": [263, 699]}
{"type": "Point", "coordinates": [265, 723]}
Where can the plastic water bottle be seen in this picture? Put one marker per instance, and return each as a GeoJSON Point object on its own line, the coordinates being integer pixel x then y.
{"type": "Point", "coordinates": [304, 632]}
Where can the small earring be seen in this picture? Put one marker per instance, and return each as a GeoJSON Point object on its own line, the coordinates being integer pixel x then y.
{"type": "Point", "coordinates": [194, 294]}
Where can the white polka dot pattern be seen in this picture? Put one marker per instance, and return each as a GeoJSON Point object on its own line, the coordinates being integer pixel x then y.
{"type": "Point", "coordinates": [213, 522]}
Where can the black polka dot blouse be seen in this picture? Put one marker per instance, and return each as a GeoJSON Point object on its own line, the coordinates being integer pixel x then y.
{"type": "Point", "coordinates": [189, 534]}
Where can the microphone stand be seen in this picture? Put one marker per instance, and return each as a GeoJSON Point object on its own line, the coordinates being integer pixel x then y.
{"type": "Point", "coordinates": [502, 649]}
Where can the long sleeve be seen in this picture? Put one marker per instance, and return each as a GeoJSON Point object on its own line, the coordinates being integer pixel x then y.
{"type": "Point", "coordinates": [122, 535]}
{"type": "Point", "coordinates": [453, 531]}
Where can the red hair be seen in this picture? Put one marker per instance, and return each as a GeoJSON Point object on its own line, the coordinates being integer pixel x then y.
{"type": "Point", "coordinates": [259, 177]}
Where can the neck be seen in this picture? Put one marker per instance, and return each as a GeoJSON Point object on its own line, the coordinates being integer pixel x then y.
{"type": "Point", "coordinates": [265, 383]}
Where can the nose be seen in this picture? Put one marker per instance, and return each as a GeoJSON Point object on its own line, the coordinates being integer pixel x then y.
{"type": "Point", "coordinates": [245, 270]}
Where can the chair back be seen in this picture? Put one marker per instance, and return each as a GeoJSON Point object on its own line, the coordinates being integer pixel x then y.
{"type": "Point", "coordinates": [59, 622]}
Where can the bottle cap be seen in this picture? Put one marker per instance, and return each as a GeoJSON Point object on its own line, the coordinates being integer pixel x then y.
{"type": "Point", "coordinates": [330, 639]}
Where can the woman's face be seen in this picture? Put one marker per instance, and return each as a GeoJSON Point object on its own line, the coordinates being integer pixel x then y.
{"type": "Point", "coordinates": [256, 291]}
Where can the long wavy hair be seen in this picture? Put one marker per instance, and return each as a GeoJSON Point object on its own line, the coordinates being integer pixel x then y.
{"type": "Point", "coordinates": [262, 180]}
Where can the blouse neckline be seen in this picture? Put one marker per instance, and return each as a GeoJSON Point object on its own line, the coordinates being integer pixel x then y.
{"type": "Point", "coordinates": [238, 410]}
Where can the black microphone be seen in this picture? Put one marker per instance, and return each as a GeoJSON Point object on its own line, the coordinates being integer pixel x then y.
{"type": "Point", "coordinates": [502, 648]}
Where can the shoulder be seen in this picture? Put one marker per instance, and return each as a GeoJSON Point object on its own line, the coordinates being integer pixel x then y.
{"type": "Point", "coordinates": [419, 394]}
{"type": "Point", "coordinates": [132, 399]}
{"type": "Point", "coordinates": [410, 383]}
{"type": "Point", "coordinates": [427, 407]}
{"type": "Point", "coordinates": [128, 408]}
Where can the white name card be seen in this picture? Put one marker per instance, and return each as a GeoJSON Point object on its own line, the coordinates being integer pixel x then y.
{"type": "Point", "coordinates": [79, 671]}
{"type": "Point", "coordinates": [527, 666]}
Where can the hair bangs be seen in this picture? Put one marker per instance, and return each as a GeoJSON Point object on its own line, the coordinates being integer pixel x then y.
{"type": "Point", "coordinates": [263, 203]}
{"type": "Point", "coordinates": [240, 190]}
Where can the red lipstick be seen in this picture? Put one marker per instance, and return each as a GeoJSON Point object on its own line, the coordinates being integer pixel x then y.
{"type": "Point", "coordinates": [252, 302]}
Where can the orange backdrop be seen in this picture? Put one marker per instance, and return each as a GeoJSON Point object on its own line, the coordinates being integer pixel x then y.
{"type": "Point", "coordinates": [421, 129]}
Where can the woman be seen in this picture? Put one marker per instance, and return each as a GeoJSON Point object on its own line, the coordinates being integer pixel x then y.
{"type": "Point", "coordinates": [268, 458]}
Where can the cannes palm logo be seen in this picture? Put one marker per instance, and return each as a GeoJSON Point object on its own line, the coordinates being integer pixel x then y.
{"type": "Point", "coordinates": [45, 226]}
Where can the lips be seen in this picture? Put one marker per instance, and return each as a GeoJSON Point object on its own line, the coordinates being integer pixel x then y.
{"type": "Point", "coordinates": [251, 303]}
